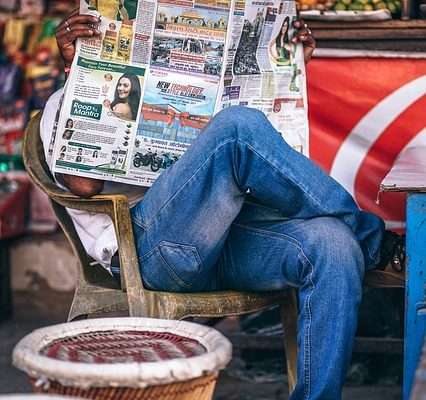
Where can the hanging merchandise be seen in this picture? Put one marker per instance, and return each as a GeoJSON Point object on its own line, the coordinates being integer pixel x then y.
{"type": "Point", "coordinates": [43, 73]}
{"type": "Point", "coordinates": [31, 7]}
{"type": "Point", "coordinates": [10, 80]}
{"type": "Point", "coordinates": [13, 197]}
{"type": "Point", "coordinates": [14, 35]}
{"type": "Point", "coordinates": [8, 5]}
{"type": "Point", "coordinates": [13, 119]}
{"type": "Point", "coordinates": [60, 7]}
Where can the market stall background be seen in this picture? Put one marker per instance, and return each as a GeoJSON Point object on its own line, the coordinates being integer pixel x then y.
{"type": "Point", "coordinates": [342, 93]}
{"type": "Point", "coordinates": [363, 112]}
{"type": "Point", "coordinates": [360, 116]}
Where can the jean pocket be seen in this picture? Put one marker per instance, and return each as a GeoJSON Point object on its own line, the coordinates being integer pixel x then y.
{"type": "Point", "coordinates": [171, 267]}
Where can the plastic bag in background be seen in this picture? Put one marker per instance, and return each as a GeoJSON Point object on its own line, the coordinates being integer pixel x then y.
{"type": "Point", "coordinates": [13, 119]}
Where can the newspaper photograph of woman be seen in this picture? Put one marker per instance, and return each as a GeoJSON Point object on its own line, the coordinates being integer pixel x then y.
{"type": "Point", "coordinates": [67, 135]}
{"type": "Point", "coordinates": [245, 62]}
{"type": "Point", "coordinates": [280, 50]}
{"type": "Point", "coordinates": [69, 124]}
{"type": "Point", "coordinates": [126, 97]}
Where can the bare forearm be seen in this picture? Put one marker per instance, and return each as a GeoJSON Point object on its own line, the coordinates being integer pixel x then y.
{"type": "Point", "coordinates": [80, 186]}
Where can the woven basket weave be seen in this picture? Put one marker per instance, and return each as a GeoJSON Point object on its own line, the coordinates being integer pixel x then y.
{"type": "Point", "coordinates": [124, 358]}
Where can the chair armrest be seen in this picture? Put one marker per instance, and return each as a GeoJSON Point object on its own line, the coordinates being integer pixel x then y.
{"type": "Point", "coordinates": [129, 265]}
{"type": "Point", "coordinates": [116, 206]}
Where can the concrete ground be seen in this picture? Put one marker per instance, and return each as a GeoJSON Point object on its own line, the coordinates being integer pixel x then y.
{"type": "Point", "coordinates": [43, 277]}
{"type": "Point", "coordinates": [229, 387]}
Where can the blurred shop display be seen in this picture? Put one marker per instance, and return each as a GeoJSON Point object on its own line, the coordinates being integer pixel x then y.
{"type": "Point", "coordinates": [13, 200]}
{"type": "Point", "coordinates": [30, 71]}
{"type": "Point", "coordinates": [37, 7]}
{"type": "Point", "coordinates": [368, 6]}
{"type": "Point", "coordinates": [361, 10]}
{"type": "Point", "coordinates": [13, 204]}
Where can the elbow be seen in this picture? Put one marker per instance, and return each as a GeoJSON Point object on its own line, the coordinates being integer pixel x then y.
{"type": "Point", "coordinates": [80, 186]}
{"type": "Point", "coordinates": [87, 189]}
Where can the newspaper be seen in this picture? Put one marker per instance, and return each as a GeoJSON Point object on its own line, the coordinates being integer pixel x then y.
{"type": "Point", "coordinates": [138, 95]}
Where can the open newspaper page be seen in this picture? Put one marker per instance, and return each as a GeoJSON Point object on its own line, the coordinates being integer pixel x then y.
{"type": "Point", "coordinates": [265, 70]}
{"type": "Point", "coordinates": [138, 95]}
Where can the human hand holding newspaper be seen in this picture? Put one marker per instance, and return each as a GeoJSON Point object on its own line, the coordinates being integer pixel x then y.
{"type": "Point", "coordinates": [304, 34]}
{"type": "Point", "coordinates": [76, 25]}
{"type": "Point", "coordinates": [145, 83]}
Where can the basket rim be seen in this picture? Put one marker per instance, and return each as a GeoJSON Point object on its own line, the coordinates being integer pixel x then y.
{"type": "Point", "coordinates": [26, 355]}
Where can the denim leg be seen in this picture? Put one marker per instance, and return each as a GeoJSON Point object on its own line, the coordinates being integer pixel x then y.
{"type": "Point", "coordinates": [321, 257]}
{"type": "Point", "coordinates": [182, 223]}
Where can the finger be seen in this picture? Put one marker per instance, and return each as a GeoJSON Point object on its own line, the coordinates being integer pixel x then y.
{"type": "Point", "coordinates": [298, 23]}
{"type": "Point", "coordinates": [75, 27]}
{"type": "Point", "coordinates": [65, 36]}
{"type": "Point", "coordinates": [83, 19]}
{"type": "Point", "coordinates": [74, 12]}
{"type": "Point", "coordinates": [308, 40]}
{"type": "Point", "coordinates": [71, 14]}
{"type": "Point", "coordinates": [78, 19]}
{"type": "Point", "coordinates": [303, 34]}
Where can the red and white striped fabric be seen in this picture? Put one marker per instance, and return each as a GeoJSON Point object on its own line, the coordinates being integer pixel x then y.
{"type": "Point", "coordinates": [363, 112]}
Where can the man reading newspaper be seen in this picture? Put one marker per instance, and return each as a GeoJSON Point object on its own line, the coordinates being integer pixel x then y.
{"type": "Point", "coordinates": [242, 210]}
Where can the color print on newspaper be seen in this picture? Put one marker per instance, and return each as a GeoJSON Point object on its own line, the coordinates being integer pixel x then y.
{"type": "Point", "coordinates": [139, 95]}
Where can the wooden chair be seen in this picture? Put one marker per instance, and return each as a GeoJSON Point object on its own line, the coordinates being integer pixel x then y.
{"type": "Point", "coordinates": [97, 291]}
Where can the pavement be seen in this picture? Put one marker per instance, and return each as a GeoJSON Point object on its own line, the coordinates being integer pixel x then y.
{"type": "Point", "coordinates": [43, 274]}
{"type": "Point", "coordinates": [235, 383]}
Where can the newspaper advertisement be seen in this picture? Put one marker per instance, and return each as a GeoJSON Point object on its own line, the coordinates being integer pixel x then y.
{"type": "Point", "coordinates": [138, 95]}
{"type": "Point", "coordinates": [265, 70]}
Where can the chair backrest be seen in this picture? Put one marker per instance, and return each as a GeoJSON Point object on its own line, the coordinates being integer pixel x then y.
{"type": "Point", "coordinates": [36, 166]}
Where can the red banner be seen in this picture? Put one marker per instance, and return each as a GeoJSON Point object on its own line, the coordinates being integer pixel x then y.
{"type": "Point", "coordinates": [363, 113]}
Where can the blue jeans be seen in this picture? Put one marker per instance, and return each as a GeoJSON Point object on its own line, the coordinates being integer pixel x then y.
{"type": "Point", "coordinates": [243, 210]}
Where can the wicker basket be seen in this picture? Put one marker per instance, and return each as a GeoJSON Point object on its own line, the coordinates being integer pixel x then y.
{"type": "Point", "coordinates": [124, 358]}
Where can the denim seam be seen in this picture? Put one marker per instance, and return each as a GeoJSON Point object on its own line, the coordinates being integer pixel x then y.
{"type": "Point", "coordinates": [319, 205]}
{"type": "Point", "coordinates": [172, 273]}
{"type": "Point", "coordinates": [323, 209]}
{"type": "Point", "coordinates": [136, 220]}
{"type": "Point", "coordinates": [188, 180]}
{"type": "Point", "coordinates": [307, 335]}
{"type": "Point", "coordinates": [166, 265]}
{"type": "Point", "coordinates": [270, 233]}
{"type": "Point", "coordinates": [262, 206]}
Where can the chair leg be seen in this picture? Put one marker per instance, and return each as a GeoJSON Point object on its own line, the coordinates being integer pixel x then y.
{"type": "Point", "coordinates": [289, 315]}
{"type": "Point", "coordinates": [89, 299]}
{"type": "Point", "coordinates": [78, 317]}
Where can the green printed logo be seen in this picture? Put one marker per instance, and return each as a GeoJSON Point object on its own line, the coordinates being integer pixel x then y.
{"type": "Point", "coordinates": [87, 110]}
